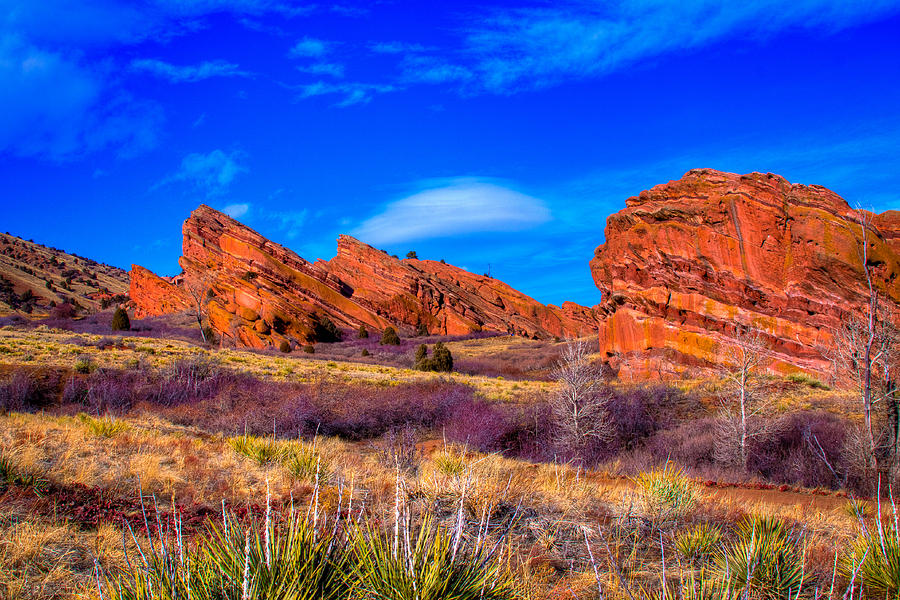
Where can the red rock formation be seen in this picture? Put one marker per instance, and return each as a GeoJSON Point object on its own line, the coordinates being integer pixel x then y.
{"type": "Point", "coordinates": [447, 299]}
{"type": "Point", "coordinates": [687, 262]}
{"type": "Point", "coordinates": [153, 295]}
{"type": "Point", "coordinates": [259, 293]}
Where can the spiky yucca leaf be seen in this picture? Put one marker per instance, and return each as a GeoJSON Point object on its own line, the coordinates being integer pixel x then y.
{"type": "Point", "coordinates": [875, 557]}
{"type": "Point", "coordinates": [766, 559]}
{"type": "Point", "coordinates": [287, 562]}
{"type": "Point", "coordinates": [667, 491]}
{"type": "Point", "coordinates": [699, 542]}
{"type": "Point", "coordinates": [425, 569]}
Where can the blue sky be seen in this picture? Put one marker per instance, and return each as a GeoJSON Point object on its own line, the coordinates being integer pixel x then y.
{"type": "Point", "coordinates": [495, 136]}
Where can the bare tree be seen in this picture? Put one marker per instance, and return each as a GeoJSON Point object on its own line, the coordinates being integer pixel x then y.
{"type": "Point", "coordinates": [866, 348]}
{"type": "Point", "coordinates": [741, 360]}
{"type": "Point", "coordinates": [199, 289]}
{"type": "Point", "coordinates": [578, 407]}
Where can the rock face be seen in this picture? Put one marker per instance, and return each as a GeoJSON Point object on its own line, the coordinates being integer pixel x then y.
{"type": "Point", "coordinates": [258, 293]}
{"type": "Point", "coordinates": [153, 295]}
{"type": "Point", "coordinates": [447, 299]}
{"type": "Point", "coordinates": [688, 262]}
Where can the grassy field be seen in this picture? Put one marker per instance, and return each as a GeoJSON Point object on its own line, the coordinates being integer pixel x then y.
{"type": "Point", "coordinates": [77, 490]}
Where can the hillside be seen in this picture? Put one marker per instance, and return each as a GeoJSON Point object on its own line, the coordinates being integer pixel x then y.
{"type": "Point", "coordinates": [33, 278]}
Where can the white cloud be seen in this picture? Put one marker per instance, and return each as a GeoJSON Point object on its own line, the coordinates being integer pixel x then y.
{"type": "Point", "coordinates": [54, 106]}
{"type": "Point", "coordinates": [352, 93]}
{"type": "Point", "coordinates": [310, 47]}
{"type": "Point", "coordinates": [396, 48]}
{"type": "Point", "coordinates": [458, 206]}
{"type": "Point", "coordinates": [333, 69]}
{"type": "Point", "coordinates": [236, 211]}
{"type": "Point", "coordinates": [537, 47]}
{"type": "Point", "coordinates": [212, 172]}
{"type": "Point", "coordinates": [188, 73]}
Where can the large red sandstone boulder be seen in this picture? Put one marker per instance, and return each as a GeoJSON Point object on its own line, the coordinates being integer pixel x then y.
{"type": "Point", "coordinates": [687, 262]}
{"type": "Point", "coordinates": [153, 295]}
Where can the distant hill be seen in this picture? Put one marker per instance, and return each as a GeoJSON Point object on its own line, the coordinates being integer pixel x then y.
{"type": "Point", "coordinates": [34, 278]}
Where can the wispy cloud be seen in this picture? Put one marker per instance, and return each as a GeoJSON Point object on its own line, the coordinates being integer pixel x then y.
{"type": "Point", "coordinates": [454, 207]}
{"type": "Point", "coordinates": [397, 48]}
{"type": "Point", "coordinates": [310, 48]}
{"type": "Point", "coordinates": [212, 172]}
{"type": "Point", "coordinates": [236, 211]}
{"type": "Point", "coordinates": [289, 223]}
{"type": "Point", "coordinates": [188, 73]}
{"type": "Point", "coordinates": [351, 93]}
{"type": "Point", "coordinates": [530, 48]}
{"type": "Point", "coordinates": [54, 106]}
{"type": "Point", "coordinates": [332, 69]}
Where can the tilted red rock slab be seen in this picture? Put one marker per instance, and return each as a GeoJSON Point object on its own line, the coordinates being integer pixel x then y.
{"type": "Point", "coordinates": [258, 293]}
{"type": "Point", "coordinates": [688, 262]}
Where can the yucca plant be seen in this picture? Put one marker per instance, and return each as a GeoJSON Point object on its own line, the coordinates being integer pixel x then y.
{"type": "Point", "coordinates": [302, 463]}
{"type": "Point", "coordinates": [449, 463]}
{"type": "Point", "coordinates": [103, 426]}
{"type": "Point", "coordinates": [667, 492]}
{"type": "Point", "coordinates": [765, 562]}
{"type": "Point", "coordinates": [874, 559]}
{"type": "Point", "coordinates": [294, 561]}
{"type": "Point", "coordinates": [699, 542]}
{"type": "Point", "coordinates": [427, 564]}
{"type": "Point", "coordinates": [261, 450]}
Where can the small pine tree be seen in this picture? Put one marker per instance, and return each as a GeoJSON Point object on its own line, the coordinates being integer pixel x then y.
{"type": "Point", "coordinates": [421, 353]}
{"type": "Point", "coordinates": [421, 329]}
{"type": "Point", "coordinates": [389, 337]}
{"type": "Point", "coordinates": [442, 358]}
{"type": "Point", "coordinates": [120, 321]}
{"type": "Point", "coordinates": [285, 346]}
{"type": "Point", "coordinates": [363, 332]}
{"type": "Point", "coordinates": [412, 254]}
{"type": "Point", "coordinates": [326, 331]}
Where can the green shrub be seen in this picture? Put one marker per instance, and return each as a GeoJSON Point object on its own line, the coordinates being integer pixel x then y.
{"type": "Point", "coordinates": [389, 337]}
{"type": "Point", "coordinates": [421, 329]}
{"type": "Point", "coordinates": [363, 333]}
{"type": "Point", "coordinates": [326, 331]}
{"type": "Point", "coordinates": [284, 346]}
{"type": "Point", "coordinates": [442, 359]}
{"type": "Point", "coordinates": [699, 542]}
{"type": "Point", "coordinates": [261, 450]}
{"type": "Point", "coordinates": [421, 354]}
{"type": "Point", "coordinates": [878, 549]}
{"type": "Point", "coordinates": [765, 561]}
{"type": "Point", "coordinates": [209, 334]}
{"type": "Point", "coordinates": [427, 567]}
{"type": "Point", "coordinates": [309, 349]}
{"type": "Point", "coordinates": [262, 561]}
{"type": "Point", "coordinates": [84, 364]}
{"type": "Point", "coordinates": [106, 427]}
{"type": "Point", "coordinates": [808, 380]}
{"type": "Point", "coordinates": [365, 352]}
{"type": "Point", "coordinates": [412, 254]}
{"type": "Point", "coordinates": [120, 321]}
{"type": "Point", "coordinates": [667, 492]}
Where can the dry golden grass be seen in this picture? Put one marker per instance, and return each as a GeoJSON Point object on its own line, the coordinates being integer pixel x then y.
{"type": "Point", "coordinates": [42, 558]}
{"type": "Point", "coordinates": [56, 348]}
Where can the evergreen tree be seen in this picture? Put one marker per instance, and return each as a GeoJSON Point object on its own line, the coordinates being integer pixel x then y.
{"type": "Point", "coordinates": [120, 321]}
{"type": "Point", "coordinates": [421, 354]}
{"type": "Point", "coordinates": [441, 358]}
{"type": "Point", "coordinates": [389, 337]}
{"type": "Point", "coordinates": [412, 254]}
{"type": "Point", "coordinates": [363, 332]}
